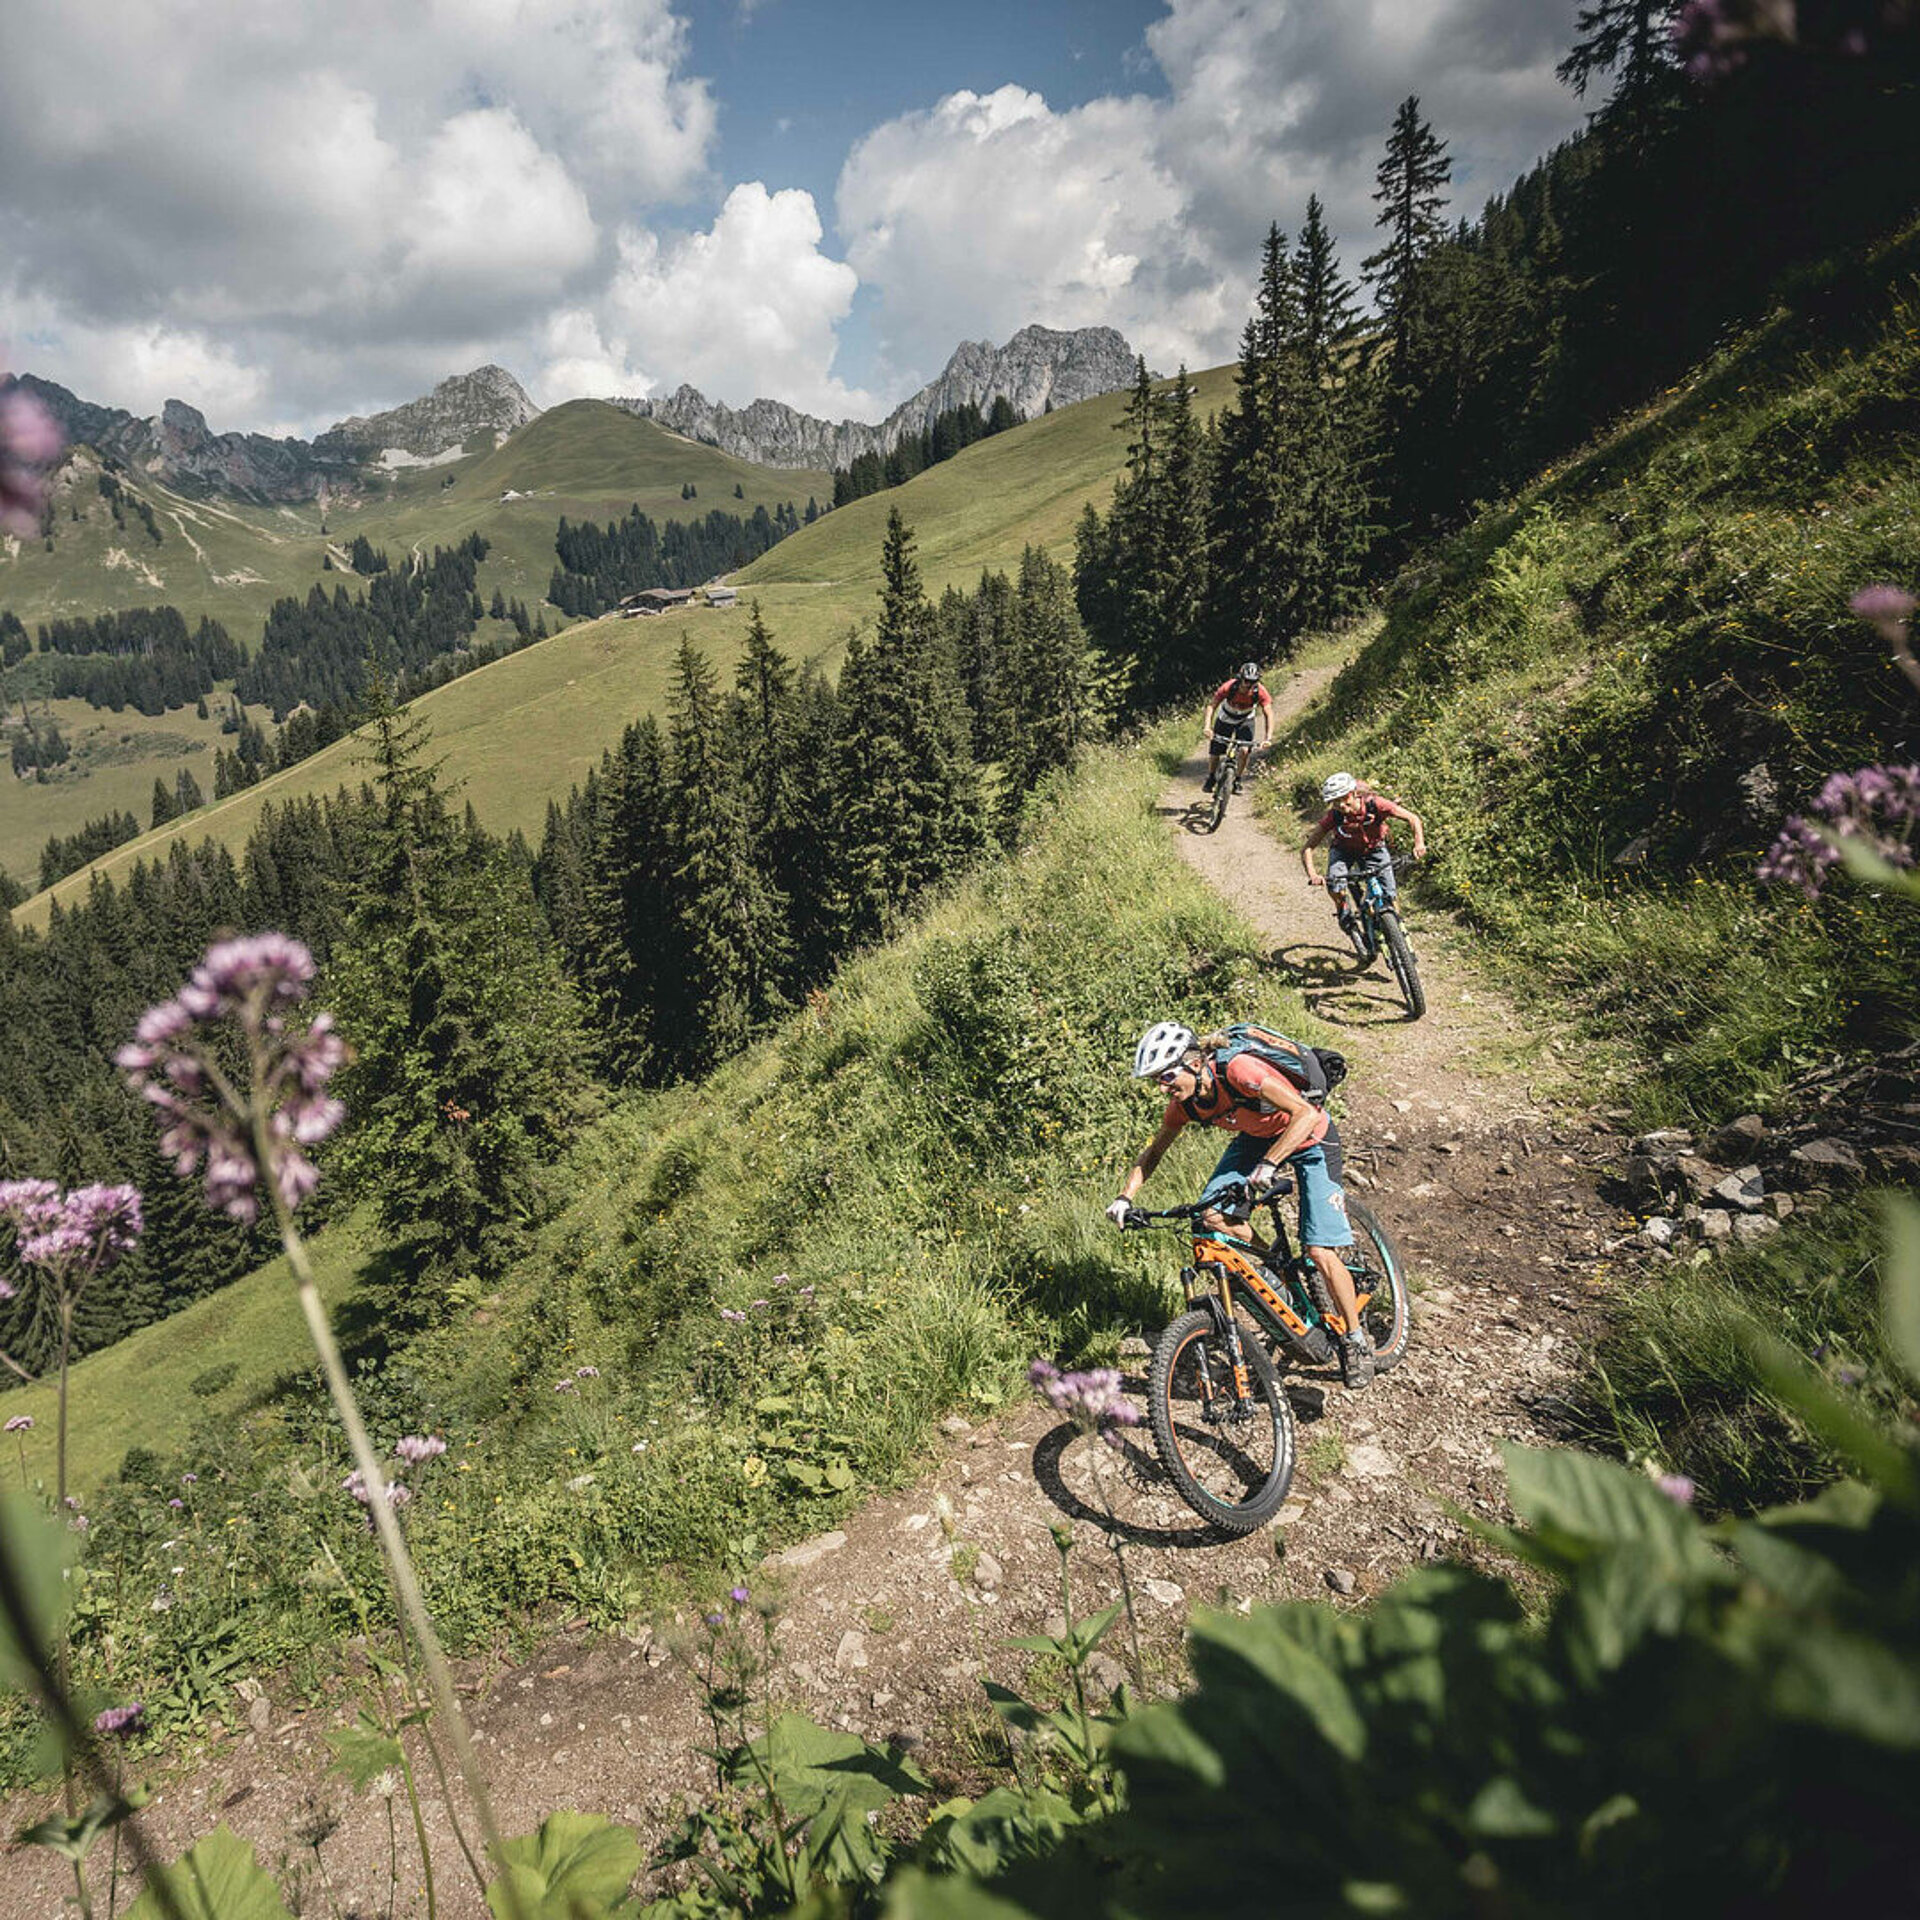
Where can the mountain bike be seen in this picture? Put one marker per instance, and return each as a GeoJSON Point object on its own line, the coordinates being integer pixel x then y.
{"type": "Point", "coordinates": [1222, 1422]}
{"type": "Point", "coordinates": [1378, 928]}
{"type": "Point", "coordinates": [1228, 783]}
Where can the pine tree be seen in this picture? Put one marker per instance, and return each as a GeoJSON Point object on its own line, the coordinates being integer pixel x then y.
{"type": "Point", "coordinates": [165, 806]}
{"type": "Point", "coordinates": [909, 799]}
{"type": "Point", "coordinates": [1050, 716]}
{"type": "Point", "coordinates": [186, 792]}
{"type": "Point", "coordinates": [731, 923]}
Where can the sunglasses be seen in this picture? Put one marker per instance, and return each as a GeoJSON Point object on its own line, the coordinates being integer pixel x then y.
{"type": "Point", "coordinates": [1172, 1073]}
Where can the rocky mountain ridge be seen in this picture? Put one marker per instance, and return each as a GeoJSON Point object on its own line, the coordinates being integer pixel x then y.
{"type": "Point", "coordinates": [489, 399]}
{"type": "Point", "coordinates": [1039, 367]}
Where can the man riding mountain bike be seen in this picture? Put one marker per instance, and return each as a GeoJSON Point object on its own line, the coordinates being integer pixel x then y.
{"type": "Point", "coordinates": [1230, 717]}
{"type": "Point", "coordinates": [1358, 821]}
{"type": "Point", "coordinates": [1275, 1126]}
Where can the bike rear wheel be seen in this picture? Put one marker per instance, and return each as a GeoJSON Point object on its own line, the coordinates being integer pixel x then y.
{"type": "Point", "coordinates": [1400, 959]}
{"type": "Point", "coordinates": [1222, 793]}
{"type": "Point", "coordinates": [1231, 1463]}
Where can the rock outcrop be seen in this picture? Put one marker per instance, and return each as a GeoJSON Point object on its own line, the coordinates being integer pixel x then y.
{"type": "Point", "coordinates": [1039, 367]}
{"type": "Point", "coordinates": [487, 400]}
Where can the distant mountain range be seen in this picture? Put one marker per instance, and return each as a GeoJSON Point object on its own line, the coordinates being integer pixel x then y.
{"type": "Point", "coordinates": [1037, 368]}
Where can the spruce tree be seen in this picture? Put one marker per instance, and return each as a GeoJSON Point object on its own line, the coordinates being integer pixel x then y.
{"type": "Point", "coordinates": [186, 792]}
{"type": "Point", "coordinates": [1050, 715]}
{"type": "Point", "coordinates": [165, 806]}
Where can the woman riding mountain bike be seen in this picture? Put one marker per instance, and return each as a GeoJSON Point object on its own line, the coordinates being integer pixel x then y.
{"type": "Point", "coordinates": [1359, 823]}
{"type": "Point", "coordinates": [1230, 719]}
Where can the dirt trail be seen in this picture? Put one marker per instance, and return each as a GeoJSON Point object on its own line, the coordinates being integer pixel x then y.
{"type": "Point", "coordinates": [891, 1621]}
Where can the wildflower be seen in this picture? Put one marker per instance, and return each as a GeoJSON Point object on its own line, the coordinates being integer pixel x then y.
{"type": "Point", "coordinates": [740, 1596]}
{"type": "Point", "coordinates": [120, 1723]}
{"type": "Point", "coordinates": [1092, 1400]}
{"type": "Point", "coordinates": [639, 1446]}
{"type": "Point", "coordinates": [79, 1233]}
{"type": "Point", "coordinates": [355, 1484]}
{"type": "Point", "coordinates": [1874, 807]}
{"type": "Point", "coordinates": [250, 983]}
{"type": "Point", "coordinates": [1883, 605]}
{"type": "Point", "coordinates": [759, 1306]}
{"type": "Point", "coordinates": [1677, 1487]}
{"type": "Point", "coordinates": [414, 1448]}
{"type": "Point", "coordinates": [189, 1479]}
{"type": "Point", "coordinates": [586, 1373]}
{"type": "Point", "coordinates": [30, 442]}
{"type": "Point", "coordinates": [20, 1423]}
{"type": "Point", "coordinates": [384, 1785]}
{"type": "Point", "coordinates": [730, 1314]}
{"type": "Point", "coordinates": [176, 1502]}
{"type": "Point", "coordinates": [563, 1386]}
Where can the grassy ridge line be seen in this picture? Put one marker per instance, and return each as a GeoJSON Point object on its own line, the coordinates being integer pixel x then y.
{"type": "Point", "coordinates": [525, 729]}
{"type": "Point", "coordinates": [585, 459]}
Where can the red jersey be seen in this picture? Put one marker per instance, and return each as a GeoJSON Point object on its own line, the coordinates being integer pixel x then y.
{"type": "Point", "coordinates": [1251, 1108]}
{"type": "Point", "coordinates": [1369, 830]}
{"type": "Point", "coordinates": [1231, 710]}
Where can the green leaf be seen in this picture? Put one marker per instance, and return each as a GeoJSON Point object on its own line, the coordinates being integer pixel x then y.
{"type": "Point", "coordinates": [1003, 1826]}
{"type": "Point", "coordinates": [1867, 866]}
{"type": "Point", "coordinates": [579, 1865]}
{"type": "Point", "coordinates": [1582, 1503]}
{"type": "Point", "coordinates": [1855, 1684]}
{"type": "Point", "coordinates": [1502, 1811]}
{"type": "Point", "coordinates": [1088, 1633]}
{"type": "Point", "coordinates": [218, 1878]}
{"type": "Point", "coordinates": [828, 1783]}
{"type": "Point", "coordinates": [1015, 1709]}
{"type": "Point", "coordinates": [36, 1549]}
{"type": "Point", "coordinates": [1883, 1462]}
{"type": "Point", "coordinates": [362, 1752]}
{"type": "Point", "coordinates": [1900, 1284]}
{"type": "Point", "coordinates": [913, 1895]}
{"type": "Point", "coordinates": [73, 1839]}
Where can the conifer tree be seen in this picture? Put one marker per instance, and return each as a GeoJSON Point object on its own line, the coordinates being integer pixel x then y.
{"type": "Point", "coordinates": [731, 923]}
{"type": "Point", "coordinates": [1050, 716]}
{"type": "Point", "coordinates": [165, 806]}
{"type": "Point", "coordinates": [186, 792]}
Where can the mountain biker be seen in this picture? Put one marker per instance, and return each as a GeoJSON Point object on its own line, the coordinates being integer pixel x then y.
{"type": "Point", "coordinates": [1274, 1125]}
{"type": "Point", "coordinates": [1230, 716]}
{"type": "Point", "coordinates": [1358, 821]}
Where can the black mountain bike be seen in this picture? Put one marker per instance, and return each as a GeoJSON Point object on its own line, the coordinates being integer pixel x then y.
{"type": "Point", "coordinates": [1221, 1420]}
{"type": "Point", "coordinates": [1378, 929]}
{"type": "Point", "coordinates": [1228, 784]}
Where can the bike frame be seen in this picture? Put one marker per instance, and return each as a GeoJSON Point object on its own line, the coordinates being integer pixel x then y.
{"type": "Point", "coordinates": [1369, 902]}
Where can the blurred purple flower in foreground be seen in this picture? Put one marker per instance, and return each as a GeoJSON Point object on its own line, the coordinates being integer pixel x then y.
{"type": "Point", "coordinates": [416, 1447]}
{"type": "Point", "coordinates": [80, 1233]}
{"type": "Point", "coordinates": [120, 1723]}
{"type": "Point", "coordinates": [1875, 807]}
{"type": "Point", "coordinates": [1092, 1400]}
{"type": "Point", "coordinates": [30, 442]}
{"type": "Point", "coordinates": [1677, 1487]}
{"type": "Point", "coordinates": [247, 985]}
{"type": "Point", "coordinates": [20, 1423]}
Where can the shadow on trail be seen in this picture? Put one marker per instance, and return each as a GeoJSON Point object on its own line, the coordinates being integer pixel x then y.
{"type": "Point", "coordinates": [1337, 992]}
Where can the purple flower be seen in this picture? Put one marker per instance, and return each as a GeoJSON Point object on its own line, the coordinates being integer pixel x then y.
{"type": "Point", "coordinates": [586, 1373]}
{"type": "Point", "coordinates": [30, 442]}
{"type": "Point", "coordinates": [1874, 807]}
{"type": "Point", "coordinates": [120, 1723]}
{"type": "Point", "coordinates": [1092, 1400]}
{"type": "Point", "coordinates": [75, 1235]}
{"type": "Point", "coordinates": [355, 1484]}
{"type": "Point", "coordinates": [176, 1501]}
{"type": "Point", "coordinates": [413, 1448]}
{"type": "Point", "coordinates": [1883, 604]}
{"type": "Point", "coordinates": [1677, 1487]}
{"type": "Point", "coordinates": [563, 1386]}
{"type": "Point", "coordinates": [20, 1423]}
{"type": "Point", "coordinates": [741, 1596]}
{"type": "Point", "coordinates": [189, 1479]}
{"type": "Point", "coordinates": [731, 1314]}
{"type": "Point", "coordinates": [250, 983]}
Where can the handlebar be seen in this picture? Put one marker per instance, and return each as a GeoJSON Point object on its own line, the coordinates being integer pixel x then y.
{"type": "Point", "coordinates": [1139, 1219]}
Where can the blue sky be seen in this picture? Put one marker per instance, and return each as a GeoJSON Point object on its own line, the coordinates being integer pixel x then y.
{"type": "Point", "coordinates": [284, 215]}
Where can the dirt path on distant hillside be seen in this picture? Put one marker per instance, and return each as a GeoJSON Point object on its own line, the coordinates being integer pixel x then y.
{"type": "Point", "coordinates": [1492, 1199]}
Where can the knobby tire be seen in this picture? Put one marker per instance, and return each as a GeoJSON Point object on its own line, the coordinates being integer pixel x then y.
{"type": "Point", "coordinates": [1400, 959]}
{"type": "Point", "coordinates": [1222, 793]}
{"type": "Point", "coordinates": [1247, 1467]}
{"type": "Point", "coordinates": [1388, 1316]}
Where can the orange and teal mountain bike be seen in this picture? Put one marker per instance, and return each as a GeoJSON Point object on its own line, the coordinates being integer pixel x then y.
{"type": "Point", "coordinates": [1221, 1418]}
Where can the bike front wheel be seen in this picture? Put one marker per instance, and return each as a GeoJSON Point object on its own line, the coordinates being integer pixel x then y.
{"type": "Point", "coordinates": [1405, 969]}
{"type": "Point", "coordinates": [1231, 1459]}
{"type": "Point", "coordinates": [1222, 793]}
{"type": "Point", "coordinates": [1378, 1269]}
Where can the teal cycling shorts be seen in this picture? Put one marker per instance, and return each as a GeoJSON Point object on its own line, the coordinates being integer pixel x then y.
{"type": "Point", "coordinates": [1316, 1174]}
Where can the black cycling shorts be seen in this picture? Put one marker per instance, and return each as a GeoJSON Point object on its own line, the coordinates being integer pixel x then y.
{"type": "Point", "coordinates": [1227, 733]}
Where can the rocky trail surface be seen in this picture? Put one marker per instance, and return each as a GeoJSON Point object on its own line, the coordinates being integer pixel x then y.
{"type": "Point", "coordinates": [890, 1622]}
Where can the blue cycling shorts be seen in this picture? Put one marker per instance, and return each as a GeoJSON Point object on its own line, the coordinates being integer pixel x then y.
{"type": "Point", "coordinates": [1316, 1173]}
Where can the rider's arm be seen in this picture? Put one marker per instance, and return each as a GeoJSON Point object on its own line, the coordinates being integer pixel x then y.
{"type": "Point", "coordinates": [1142, 1169]}
{"type": "Point", "coordinates": [1266, 718]}
{"type": "Point", "coordinates": [1398, 812]}
{"type": "Point", "coordinates": [1315, 839]}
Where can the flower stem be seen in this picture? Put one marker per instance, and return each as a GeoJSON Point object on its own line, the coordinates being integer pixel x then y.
{"type": "Point", "coordinates": [386, 1525]}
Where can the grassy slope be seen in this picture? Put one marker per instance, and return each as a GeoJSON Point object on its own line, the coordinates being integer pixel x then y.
{"type": "Point", "coordinates": [914, 1152]}
{"type": "Point", "coordinates": [1603, 697]}
{"type": "Point", "coordinates": [527, 728]}
{"type": "Point", "coordinates": [584, 460]}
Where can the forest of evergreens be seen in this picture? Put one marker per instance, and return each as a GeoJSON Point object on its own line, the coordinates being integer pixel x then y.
{"type": "Point", "coordinates": [600, 566]}
{"type": "Point", "coordinates": [943, 436]}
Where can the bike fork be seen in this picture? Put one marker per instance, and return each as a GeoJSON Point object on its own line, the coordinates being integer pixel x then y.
{"type": "Point", "coordinates": [1216, 1408]}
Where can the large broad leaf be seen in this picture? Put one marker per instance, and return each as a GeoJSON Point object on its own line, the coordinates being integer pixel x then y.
{"type": "Point", "coordinates": [577, 1867]}
{"type": "Point", "coordinates": [919, 1896]}
{"type": "Point", "coordinates": [829, 1782]}
{"type": "Point", "coordinates": [999, 1828]}
{"type": "Point", "coordinates": [1579, 1501]}
{"type": "Point", "coordinates": [1900, 1285]}
{"type": "Point", "coordinates": [1892, 1468]}
{"type": "Point", "coordinates": [219, 1878]}
{"type": "Point", "coordinates": [36, 1549]}
{"type": "Point", "coordinates": [1612, 1602]}
{"type": "Point", "coordinates": [1848, 1681]}
{"type": "Point", "coordinates": [1295, 1652]}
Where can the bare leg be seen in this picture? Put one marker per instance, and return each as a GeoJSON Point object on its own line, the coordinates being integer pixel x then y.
{"type": "Point", "coordinates": [1333, 1270]}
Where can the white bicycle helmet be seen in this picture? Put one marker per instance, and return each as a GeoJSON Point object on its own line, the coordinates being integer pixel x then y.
{"type": "Point", "coordinates": [1250, 672]}
{"type": "Point", "coordinates": [1337, 786]}
{"type": "Point", "coordinates": [1161, 1047]}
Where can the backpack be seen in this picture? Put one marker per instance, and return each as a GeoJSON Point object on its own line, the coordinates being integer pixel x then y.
{"type": "Point", "coordinates": [1316, 1071]}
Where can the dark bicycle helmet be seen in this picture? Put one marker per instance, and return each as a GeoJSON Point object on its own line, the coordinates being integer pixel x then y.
{"type": "Point", "coordinates": [1250, 673]}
